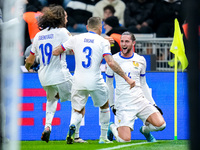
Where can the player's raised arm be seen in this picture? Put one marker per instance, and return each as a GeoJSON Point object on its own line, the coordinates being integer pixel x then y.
{"type": "Point", "coordinates": [116, 68]}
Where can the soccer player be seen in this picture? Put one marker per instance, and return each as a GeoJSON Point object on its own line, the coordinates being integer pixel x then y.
{"type": "Point", "coordinates": [135, 102]}
{"type": "Point", "coordinates": [89, 50]}
{"type": "Point", "coordinates": [53, 73]}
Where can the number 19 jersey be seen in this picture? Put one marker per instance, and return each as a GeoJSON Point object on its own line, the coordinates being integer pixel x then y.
{"type": "Point", "coordinates": [53, 69]}
{"type": "Point", "coordinates": [89, 49]}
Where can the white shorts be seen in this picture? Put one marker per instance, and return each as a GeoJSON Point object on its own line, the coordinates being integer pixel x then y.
{"type": "Point", "coordinates": [80, 97]}
{"type": "Point", "coordinates": [128, 117]}
{"type": "Point", "coordinates": [64, 90]}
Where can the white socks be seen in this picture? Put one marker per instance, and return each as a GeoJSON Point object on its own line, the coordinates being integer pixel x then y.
{"type": "Point", "coordinates": [50, 111]}
{"type": "Point", "coordinates": [77, 130]}
{"type": "Point", "coordinates": [76, 118]}
{"type": "Point", "coordinates": [104, 118]}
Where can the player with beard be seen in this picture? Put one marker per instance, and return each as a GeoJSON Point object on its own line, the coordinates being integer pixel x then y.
{"type": "Point", "coordinates": [135, 102]}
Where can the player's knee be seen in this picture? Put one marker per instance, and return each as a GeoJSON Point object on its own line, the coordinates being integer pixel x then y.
{"type": "Point", "coordinates": [124, 139]}
{"type": "Point", "coordinates": [159, 122]}
{"type": "Point", "coordinates": [161, 127]}
{"type": "Point", "coordinates": [127, 139]}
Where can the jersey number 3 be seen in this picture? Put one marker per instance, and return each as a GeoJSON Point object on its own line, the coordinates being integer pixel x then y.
{"type": "Point", "coordinates": [46, 50]}
{"type": "Point", "coordinates": [88, 51]}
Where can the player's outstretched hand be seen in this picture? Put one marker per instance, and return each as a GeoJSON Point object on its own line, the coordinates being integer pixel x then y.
{"type": "Point", "coordinates": [110, 39]}
{"type": "Point", "coordinates": [57, 51]}
{"type": "Point", "coordinates": [131, 82]}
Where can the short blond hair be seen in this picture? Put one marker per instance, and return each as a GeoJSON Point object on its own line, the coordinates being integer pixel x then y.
{"type": "Point", "coordinates": [94, 22]}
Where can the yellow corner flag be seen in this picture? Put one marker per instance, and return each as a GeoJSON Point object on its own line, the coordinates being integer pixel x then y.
{"type": "Point", "coordinates": [177, 46]}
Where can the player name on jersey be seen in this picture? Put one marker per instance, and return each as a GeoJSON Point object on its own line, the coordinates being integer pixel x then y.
{"type": "Point", "coordinates": [89, 40]}
{"type": "Point", "coordinates": [45, 37]}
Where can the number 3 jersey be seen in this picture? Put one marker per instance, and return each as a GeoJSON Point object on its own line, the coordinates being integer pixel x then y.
{"type": "Point", "coordinates": [89, 49]}
{"type": "Point", "coordinates": [135, 68]}
{"type": "Point", "coordinates": [53, 69]}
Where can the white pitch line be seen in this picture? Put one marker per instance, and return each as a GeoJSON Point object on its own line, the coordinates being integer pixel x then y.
{"type": "Point", "coordinates": [121, 146]}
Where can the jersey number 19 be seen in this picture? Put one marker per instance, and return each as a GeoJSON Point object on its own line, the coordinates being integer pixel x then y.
{"type": "Point", "coordinates": [46, 50]}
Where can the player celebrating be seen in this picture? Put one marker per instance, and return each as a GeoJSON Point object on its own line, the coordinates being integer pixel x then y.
{"type": "Point", "coordinates": [89, 49]}
{"type": "Point", "coordinates": [132, 103]}
{"type": "Point", "coordinates": [53, 73]}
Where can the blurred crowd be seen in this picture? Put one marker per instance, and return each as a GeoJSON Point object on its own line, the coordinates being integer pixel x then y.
{"type": "Point", "coordinates": [136, 16]}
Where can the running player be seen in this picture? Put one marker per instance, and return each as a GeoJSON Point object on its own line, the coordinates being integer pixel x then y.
{"type": "Point", "coordinates": [135, 102]}
{"type": "Point", "coordinates": [89, 50]}
{"type": "Point", "coordinates": [53, 73]}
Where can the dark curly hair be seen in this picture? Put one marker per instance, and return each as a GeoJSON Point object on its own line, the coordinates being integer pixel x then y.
{"type": "Point", "coordinates": [53, 17]}
{"type": "Point", "coordinates": [109, 7]}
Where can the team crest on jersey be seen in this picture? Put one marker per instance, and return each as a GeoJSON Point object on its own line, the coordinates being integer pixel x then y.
{"type": "Point", "coordinates": [136, 64]}
{"type": "Point", "coordinates": [119, 121]}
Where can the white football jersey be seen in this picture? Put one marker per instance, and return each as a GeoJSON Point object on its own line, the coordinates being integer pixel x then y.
{"type": "Point", "coordinates": [53, 69]}
{"type": "Point", "coordinates": [89, 49]}
{"type": "Point", "coordinates": [134, 67]}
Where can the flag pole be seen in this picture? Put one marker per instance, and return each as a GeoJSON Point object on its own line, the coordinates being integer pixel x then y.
{"type": "Point", "coordinates": [178, 49]}
{"type": "Point", "coordinates": [175, 98]}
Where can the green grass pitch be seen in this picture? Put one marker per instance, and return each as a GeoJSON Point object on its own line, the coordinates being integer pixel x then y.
{"type": "Point", "coordinates": [94, 145]}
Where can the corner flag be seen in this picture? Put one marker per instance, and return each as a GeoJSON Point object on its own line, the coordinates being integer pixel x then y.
{"type": "Point", "coordinates": [178, 49]}
{"type": "Point", "coordinates": [177, 46]}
